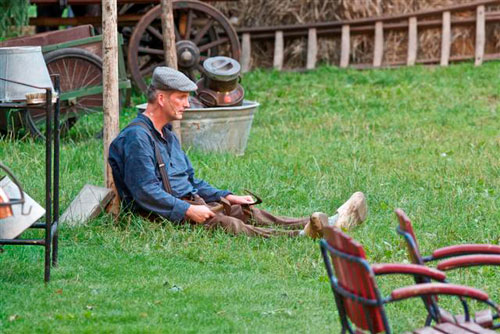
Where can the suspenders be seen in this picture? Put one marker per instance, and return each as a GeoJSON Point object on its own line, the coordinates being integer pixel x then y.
{"type": "Point", "coordinates": [159, 159]}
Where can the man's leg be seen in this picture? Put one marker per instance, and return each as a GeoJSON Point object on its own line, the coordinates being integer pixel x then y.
{"type": "Point", "coordinates": [236, 226]}
{"type": "Point", "coordinates": [260, 217]}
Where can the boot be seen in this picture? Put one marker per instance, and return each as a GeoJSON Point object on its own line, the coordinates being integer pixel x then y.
{"type": "Point", "coordinates": [352, 213]}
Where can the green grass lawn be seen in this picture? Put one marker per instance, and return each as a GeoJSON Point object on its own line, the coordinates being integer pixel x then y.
{"type": "Point", "coordinates": [423, 139]}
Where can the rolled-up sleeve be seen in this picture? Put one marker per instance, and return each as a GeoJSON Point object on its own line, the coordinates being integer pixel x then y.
{"type": "Point", "coordinates": [203, 188]}
{"type": "Point", "coordinates": [142, 181]}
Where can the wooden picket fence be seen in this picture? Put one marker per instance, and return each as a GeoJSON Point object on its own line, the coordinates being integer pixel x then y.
{"type": "Point", "coordinates": [411, 23]}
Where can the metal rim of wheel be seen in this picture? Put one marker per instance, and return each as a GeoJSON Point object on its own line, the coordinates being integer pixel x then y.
{"type": "Point", "coordinates": [201, 32]}
{"type": "Point", "coordinates": [78, 69]}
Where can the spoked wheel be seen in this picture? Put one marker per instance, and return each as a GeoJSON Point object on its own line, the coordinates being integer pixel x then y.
{"type": "Point", "coordinates": [201, 32]}
{"type": "Point", "coordinates": [81, 92]}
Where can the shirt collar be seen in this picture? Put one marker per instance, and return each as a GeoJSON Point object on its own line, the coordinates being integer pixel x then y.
{"type": "Point", "coordinates": [166, 129]}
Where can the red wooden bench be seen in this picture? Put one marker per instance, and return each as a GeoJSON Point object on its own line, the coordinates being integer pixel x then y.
{"type": "Point", "coordinates": [451, 257]}
{"type": "Point", "coordinates": [361, 306]}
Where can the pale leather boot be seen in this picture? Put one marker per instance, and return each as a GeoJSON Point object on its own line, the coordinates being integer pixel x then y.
{"type": "Point", "coordinates": [353, 212]}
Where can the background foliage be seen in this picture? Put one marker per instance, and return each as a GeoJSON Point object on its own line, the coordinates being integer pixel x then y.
{"type": "Point", "coordinates": [13, 15]}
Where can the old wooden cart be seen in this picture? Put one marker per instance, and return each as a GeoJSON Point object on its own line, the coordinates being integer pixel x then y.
{"type": "Point", "coordinates": [75, 55]}
{"type": "Point", "coordinates": [201, 31]}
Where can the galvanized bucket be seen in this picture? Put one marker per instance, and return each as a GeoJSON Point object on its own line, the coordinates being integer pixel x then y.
{"type": "Point", "coordinates": [219, 129]}
{"type": "Point", "coordinates": [24, 64]}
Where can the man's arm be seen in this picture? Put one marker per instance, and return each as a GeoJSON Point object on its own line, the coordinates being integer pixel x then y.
{"type": "Point", "coordinates": [142, 182]}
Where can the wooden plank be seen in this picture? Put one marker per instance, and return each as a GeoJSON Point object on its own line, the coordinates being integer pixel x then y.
{"type": "Point", "coordinates": [446, 39]}
{"type": "Point", "coordinates": [245, 53]}
{"type": "Point", "coordinates": [484, 318]}
{"type": "Point", "coordinates": [427, 330]}
{"type": "Point", "coordinates": [451, 329]}
{"type": "Point", "coordinates": [312, 49]}
{"type": "Point", "coordinates": [278, 50]}
{"type": "Point", "coordinates": [378, 51]}
{"type": "Point", "coordinates": [345, 47]}
{"type": "Point", "coordinates": [412, 41]}
{"type": "Point", "coordinates": [91, 201]}
{"type": "Point", "coordinates": [475, 328]}
{"type": "Point", "coordinates": [480, 35]}
{"type": "Point", "coordinates": [334, 29]}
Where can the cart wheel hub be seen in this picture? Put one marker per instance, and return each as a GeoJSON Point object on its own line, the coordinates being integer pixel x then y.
{"type": "Point", "coordinates": [188, 54]}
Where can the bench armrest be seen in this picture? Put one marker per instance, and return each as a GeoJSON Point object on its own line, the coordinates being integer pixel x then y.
{"type": "Point", "coordinates": [408, 269]}
{"type": "Point", "coordinates": [465, 249]}
{"type": "Point", "coordinates": [418, 290]}
{"type": "Point", "coordinates": [469, 261]}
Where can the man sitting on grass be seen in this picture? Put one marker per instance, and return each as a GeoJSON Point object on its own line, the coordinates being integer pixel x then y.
{"type": "Point", "coordinates": [154, 176]}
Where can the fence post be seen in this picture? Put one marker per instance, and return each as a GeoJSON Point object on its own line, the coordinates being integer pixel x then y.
{"type": "Point", "coordinates": [245, 53]}
{"type": "Point", "coordinates": [480, 35]}
{"type": "Point", "coordinates": [169, 48]}
{"type": "Point", "coordinates": [110, 82]}
{"type": "Point", "coordinates": [378, 51]}
{"type": "Point", "coordinates": [412, 41]}
{"type": "Point", "coordinates": [446, 39]}
{"type": "Point", "coordinates": [278, 50]}
{"type": "Point", "coordinates": [345, 46]}
{"type": "Point", "coordinates": [312, 49]}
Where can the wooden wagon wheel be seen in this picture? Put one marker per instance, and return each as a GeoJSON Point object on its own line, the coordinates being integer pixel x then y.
{"type": "Point", "coordinates": [80, 71]}
{"type": "Point", "coordinates": [201, 31]}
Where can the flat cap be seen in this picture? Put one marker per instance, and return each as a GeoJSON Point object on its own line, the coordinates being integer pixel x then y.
{"type": "Point", "coordinates": [166, 78]}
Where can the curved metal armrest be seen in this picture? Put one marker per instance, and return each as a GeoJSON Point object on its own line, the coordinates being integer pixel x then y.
{"type": "Point", "coordinates": [408, 269]}
{"type": "Point", "coordinates": [465, 249]}
{"type": "Point", "coordinates": [469, 261]}
{"type": "Point", "coordinates": [439, 289]}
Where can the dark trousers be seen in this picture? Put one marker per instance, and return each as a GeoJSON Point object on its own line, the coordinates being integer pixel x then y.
{"type": "Point", "coordinates": [251, 221]}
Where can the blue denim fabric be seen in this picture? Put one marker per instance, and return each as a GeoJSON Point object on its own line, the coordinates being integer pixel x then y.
{"type": "Point", "coordinates": [137, 177]}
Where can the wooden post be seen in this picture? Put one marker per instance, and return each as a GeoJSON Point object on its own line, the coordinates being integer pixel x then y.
{"type": "Point", "coordinates": [345, 46]}
{"type": "Point", "coordinates": [110, 82]}
{"type": "Point", "coordinates": [412, 41]}
{"type": "Point", "coordinates": [480, 35]}
{"type": "Point", "coordinates": [312, 49]}
{"type": "Point", "coordinates": [378, 51]}
{"type": "Point", "coordinates": [278, 50]}
{"type": "Point", "coordinates": [169, 49]}
{"type": "Point", "coordinates": [446, 39]}
{"type": "Point", "coordinates": [245, 53]}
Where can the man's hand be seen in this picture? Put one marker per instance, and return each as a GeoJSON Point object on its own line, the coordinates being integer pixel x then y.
{"type": "Point", "coordinates": [235, 199]}
{"type": "Point", "coordinates": [199, 213]}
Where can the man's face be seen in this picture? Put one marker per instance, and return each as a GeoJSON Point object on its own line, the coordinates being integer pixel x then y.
{"type": "Point", "coordinates": [174, 104]}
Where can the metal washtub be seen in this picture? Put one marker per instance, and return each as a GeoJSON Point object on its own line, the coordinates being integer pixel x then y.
{"type": "Point", "coordinates": [218, 129]}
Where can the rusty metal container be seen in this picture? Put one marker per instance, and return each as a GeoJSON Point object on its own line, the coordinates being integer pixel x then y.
{"type": "Point", "coordinates": [23, 64]}
{"type": "Point", "coordinates": [219, 129]}
{"type": "Point", "coordinates": [220, 86]}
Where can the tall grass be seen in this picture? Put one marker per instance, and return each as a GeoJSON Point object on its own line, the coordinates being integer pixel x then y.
{"type": "Point", "coordinates": [423, 139]}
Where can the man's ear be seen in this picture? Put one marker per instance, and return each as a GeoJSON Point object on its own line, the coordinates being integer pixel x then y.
{"type": "Point", "coordinates": [160, 97]}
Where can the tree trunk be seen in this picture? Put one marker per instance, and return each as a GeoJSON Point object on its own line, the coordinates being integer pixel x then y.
{"type": "Point", "coordinates": [110, 87]}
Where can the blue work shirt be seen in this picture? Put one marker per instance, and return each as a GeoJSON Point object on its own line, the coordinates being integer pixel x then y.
{"type": "Point", "coordinates": [137, 177]}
